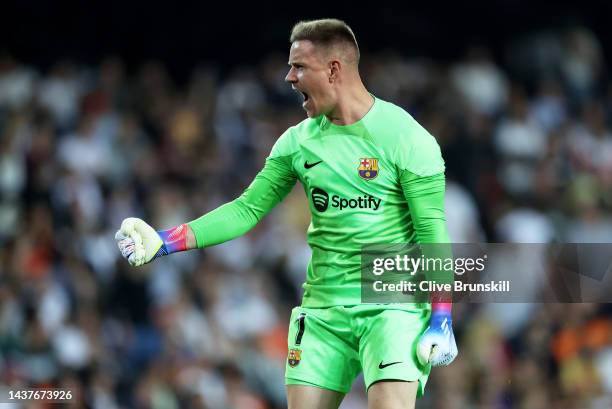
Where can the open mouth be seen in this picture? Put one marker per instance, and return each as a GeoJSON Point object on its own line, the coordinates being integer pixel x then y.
{"type": "Point", "coordinates": [304, 94]}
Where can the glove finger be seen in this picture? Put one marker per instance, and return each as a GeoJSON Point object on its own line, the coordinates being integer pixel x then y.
{"type": "Point", "coordinates": [134, 235]}
{"type": "Point", "coordinates": [424, 351]}
{"type": "Point", "coordinates": [444, 359]}
{"type": "Point", "coordinates": [127, 247]}
{"type": "Point", "coordinates": [122, 242]}
{"type": "Point", "coordinates": [449, 359]}
{"type": "Point", "coordinates": [120, 235]}
{"type": "Point", "coordinates": [445, 353]}
{"type": "Point", "coordinates": [138, 256]}
{"type": "Point", "coordinates": [127, 231]}
{"type": "Point", "coordinates": [132, 259]}
{"type": "Point", "coordinates": [437, 356]}
{"type": "Point", "coordinates": [127, 226]}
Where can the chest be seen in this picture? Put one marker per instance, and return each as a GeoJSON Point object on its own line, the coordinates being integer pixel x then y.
{"type": "Point", "coordinates": [345, 164]}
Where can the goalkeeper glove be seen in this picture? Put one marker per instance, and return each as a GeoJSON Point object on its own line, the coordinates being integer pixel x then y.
{"type": "Point", "coordinates": [437, 345]}
{"type": "Point", "coordinates": [139, 243]}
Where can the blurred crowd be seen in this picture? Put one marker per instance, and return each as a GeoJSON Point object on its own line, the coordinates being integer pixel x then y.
{"type": "Point", "coordinates": [527, 142]}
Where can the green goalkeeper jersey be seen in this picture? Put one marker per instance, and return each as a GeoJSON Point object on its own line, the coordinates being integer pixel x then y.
{"type": "Point", "coordinates": [378, 180]}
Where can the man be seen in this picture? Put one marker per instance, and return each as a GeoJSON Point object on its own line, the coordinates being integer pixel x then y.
{"type": "Point", "coordinates": [371, 174]}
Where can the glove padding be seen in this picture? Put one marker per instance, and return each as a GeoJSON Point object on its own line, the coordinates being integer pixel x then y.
{"type": "Point", "coordinates": [138, 242]}
{"type": "Point", "coordinates": [437, 345]}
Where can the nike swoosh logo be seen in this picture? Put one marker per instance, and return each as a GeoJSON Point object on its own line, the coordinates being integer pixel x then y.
{"type": "Point", "coordinates": [310, 165]}
{"type": "Point", "coordinates": [383, 366]}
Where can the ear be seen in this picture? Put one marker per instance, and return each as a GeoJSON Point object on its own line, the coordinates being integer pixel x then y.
{"type": "Point", "coordinates": [334, 70]}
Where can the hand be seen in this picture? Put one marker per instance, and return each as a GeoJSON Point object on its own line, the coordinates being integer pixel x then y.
{"type": "Point", "coordinates": [437, 345]}
{"type": "Point", "coordinates": [138, 242]}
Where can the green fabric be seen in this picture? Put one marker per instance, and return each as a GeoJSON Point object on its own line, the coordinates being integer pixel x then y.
{"type": "Point", "coordinates": [338, 343]}
{"type": "Point", "coordinates": [425, 197]}
{"type": "Point", "coordinates": [400, 202]}
{"type": "Point", "coordinates": [236, 218]}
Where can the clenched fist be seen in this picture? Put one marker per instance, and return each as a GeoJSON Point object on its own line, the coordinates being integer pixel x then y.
{"type": "Point", "coordinates": [138, 242]}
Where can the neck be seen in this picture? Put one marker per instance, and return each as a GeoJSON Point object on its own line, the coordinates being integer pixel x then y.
{"type": "Point", "coordinates": [353, 104]}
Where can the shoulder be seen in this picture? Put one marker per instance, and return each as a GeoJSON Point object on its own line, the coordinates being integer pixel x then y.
{"type": "Point", "coordinates": [410, 145]}
{"type": "Point", "coordinates": [288, 143]}
{"type": "Point", "coordinates": [394, 125]}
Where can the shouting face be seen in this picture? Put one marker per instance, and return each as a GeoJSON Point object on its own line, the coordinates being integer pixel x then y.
{"type": "Point", "coordinates": [310, 75]}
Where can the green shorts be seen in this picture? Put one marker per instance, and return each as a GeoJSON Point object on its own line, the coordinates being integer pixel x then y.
{"type": "Point", "coordinates": [329, 347]}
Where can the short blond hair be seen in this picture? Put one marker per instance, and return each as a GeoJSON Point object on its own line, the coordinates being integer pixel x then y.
{"type": "Point", "coordinates": [328, 32]}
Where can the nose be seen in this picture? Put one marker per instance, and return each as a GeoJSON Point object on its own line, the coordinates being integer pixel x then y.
{"type": "Point", "coordinates": [291, 77]}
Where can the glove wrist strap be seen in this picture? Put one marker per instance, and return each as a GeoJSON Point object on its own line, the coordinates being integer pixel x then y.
{"type": "Point", "coordinates": [441, 308]}
{"type": "Point", "coordinates": [175, 239]}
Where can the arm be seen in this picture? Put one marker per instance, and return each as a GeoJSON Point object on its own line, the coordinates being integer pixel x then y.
{"type": "Point", "coordinates": [236, 218]}
{"type": "Point", "coordinates": [425, 197]}
{"type": "Point", "coordinates": [140, 243]}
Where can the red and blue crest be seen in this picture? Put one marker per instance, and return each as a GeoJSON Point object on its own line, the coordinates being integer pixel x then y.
{"type": "Point", "coordinates": [368, 168]}
{"type": "Point", "coordinates": [294, 358]}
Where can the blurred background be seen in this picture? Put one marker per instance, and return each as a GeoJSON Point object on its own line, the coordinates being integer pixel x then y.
{"type": "Point", "coordinates": [165, 112]}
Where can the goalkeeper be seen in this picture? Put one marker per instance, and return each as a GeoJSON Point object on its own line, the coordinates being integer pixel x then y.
{"type": "Point", "coordinates": [371, 174]}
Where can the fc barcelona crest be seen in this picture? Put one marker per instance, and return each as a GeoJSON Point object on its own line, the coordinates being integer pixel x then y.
{"type": "Point", "coordinates": [294, 357]}
{"type": "Point", "coordinates": [368, 168]}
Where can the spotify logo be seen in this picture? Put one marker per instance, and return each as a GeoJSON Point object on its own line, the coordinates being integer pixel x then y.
{"type": "Point", "coordinates": [320, 199]}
